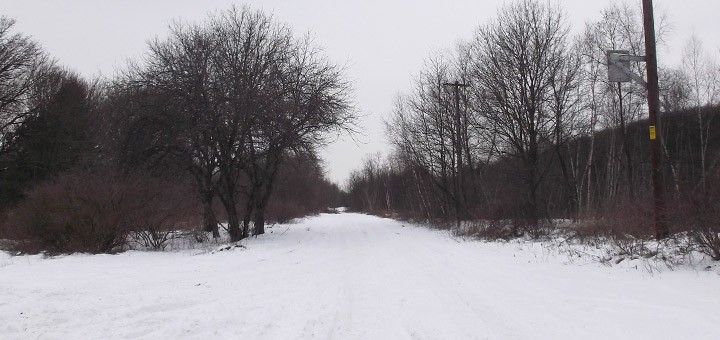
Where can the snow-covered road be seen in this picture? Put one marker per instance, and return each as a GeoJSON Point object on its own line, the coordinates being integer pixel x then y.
{"type": "Point", "coordinates": [351, 276]}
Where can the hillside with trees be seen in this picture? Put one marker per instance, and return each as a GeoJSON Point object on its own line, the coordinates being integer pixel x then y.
{"type": "Point", "coordinates": [538, 135]}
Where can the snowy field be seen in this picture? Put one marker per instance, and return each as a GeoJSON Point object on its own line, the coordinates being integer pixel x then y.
{"type": "Point", "coordinates": [351, 276]}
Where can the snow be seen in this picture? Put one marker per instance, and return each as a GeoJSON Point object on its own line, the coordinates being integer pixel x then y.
{"type": "Point", "coordinates": [351, 276]}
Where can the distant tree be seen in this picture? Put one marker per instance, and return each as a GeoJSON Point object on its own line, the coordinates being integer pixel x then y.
{"type": "Point", "coordinates": [301, 189]}
{"type": "Point", "coordinates": [366, 184]}
{"type": "Point", "coordinates": [675, 90]}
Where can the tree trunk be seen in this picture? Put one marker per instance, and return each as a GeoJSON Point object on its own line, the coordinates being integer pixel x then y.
{"type": "Point", "coordinates": [248, 214]}
{"type": "Point", "coordinates": [532, 215]}
{"type": "Point", "coordinates": [246, 226]}
{"type": "Point", "coordinates": [259, 220]}
{"type": "Point", "coordinates": [571, 203]}
{"type": "Point", "coordinates": [233, 221]}
{"type": "Point", "coordinates": [262, 200]}
{"type": "Point", "coordinates": [209, 221]}
{"type": "Point", "coordinates": [626, 144]}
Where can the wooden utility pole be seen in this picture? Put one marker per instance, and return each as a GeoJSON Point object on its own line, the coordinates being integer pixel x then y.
{"type": "Point", "coordinates": [443, 159]}
{"type": "Point", "coordinates": [458, 148]}
{"type": "Point", "coordinates": [661, 227]}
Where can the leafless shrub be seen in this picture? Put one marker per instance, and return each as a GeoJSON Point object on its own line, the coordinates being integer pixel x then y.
{"type": "Point", "coordinates": [490, 230]}
{"type": "Point", "coordinates": [74, 212]}
{"type": "Point", "coordinates": [82, 211]}
{"type": "Point", "coordinates": [623, 217]}
{"type": "Point", "coordinates": [168, 211]}
{"type": "Point", "coordinates": [283, 212]}
{"type": "Point", "coordinates": [709, 242]}
{"type": "Point", "coordinates": [632, 247]}
{"type": "Point", "coordinates": [700, 215]}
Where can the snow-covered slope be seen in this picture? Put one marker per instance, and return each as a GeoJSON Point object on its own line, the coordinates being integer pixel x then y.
{"type": "Point", "coordinates": [350, 276]}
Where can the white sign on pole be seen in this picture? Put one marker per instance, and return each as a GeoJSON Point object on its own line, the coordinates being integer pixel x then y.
{"type": "Point", "coordinates": [617, 66]}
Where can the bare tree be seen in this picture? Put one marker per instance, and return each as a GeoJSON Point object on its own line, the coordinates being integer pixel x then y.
{"type": "Point", "coordinates": [248, 61]}
{"type": "Point", "coordinates": [521, 57]}
{"type": "Point", "coordinates": [704, 80]}
{"type": "Point", "coordinates": [309, 103]}
{"type": "Point", "coordinates": [423, 130]}
{"type": "Point", "coordinates": [229, 99]}
{"type": "Point", "coordinates": [675, 89]}
{"type": "Point", "coordinates": [620, 28]}
{"type": "Point", "coordinates": [593, 90]}
{"type": "Point", "coordinates": [675, 95]}
{"type": "Point", "coordinates": [22, 65]}
{"type": "Point", "coordinates": [568, 121]}
{"type": "Point", "coordinates": [178, 107]}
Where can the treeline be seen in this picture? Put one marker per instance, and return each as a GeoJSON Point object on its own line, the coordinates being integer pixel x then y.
{"type": "Point", "coordinates": [217, 125]}
{"type": "Point", "coordinates": [520, 124]}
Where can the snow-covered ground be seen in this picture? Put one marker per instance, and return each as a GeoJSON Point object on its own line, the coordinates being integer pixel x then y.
{"type": "Point", "coordinates": [351, 276]}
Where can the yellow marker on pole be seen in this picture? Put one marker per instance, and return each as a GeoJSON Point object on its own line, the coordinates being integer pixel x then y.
{"type": "Point", "coordinates": [652, 132]}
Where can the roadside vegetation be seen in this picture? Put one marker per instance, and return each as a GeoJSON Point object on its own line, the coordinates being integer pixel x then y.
{"type": "Point", "coordinates": [539, 144]}
{"type": "Point", "coordinates": [215, 129]}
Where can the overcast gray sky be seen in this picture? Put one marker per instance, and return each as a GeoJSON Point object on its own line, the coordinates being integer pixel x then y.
{"type": "Point", "coordinates": [383, 43]}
